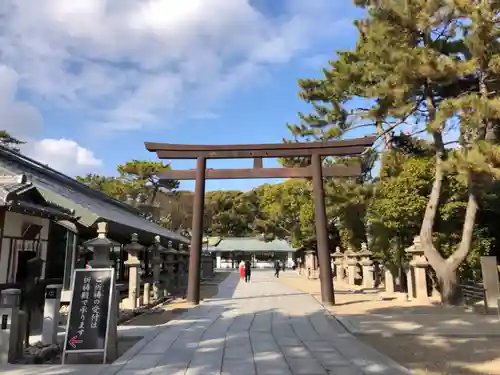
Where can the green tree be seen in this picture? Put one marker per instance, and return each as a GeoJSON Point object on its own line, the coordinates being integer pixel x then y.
{"type": "Point", "coordinates": [108, 185]}
{"type": "Point", "coordinates": [229, 214]}
{"type": "Point", "coordinates": [287, 211]}
{"type": "Point", "coordinates": [6, 140]}
{"type": "Point", "coordinates": [478, 112]}
{"type": "Point", "coordinates": [424, 63]}
{"type": "Point", "coordinates": [138, 184]}
{"type": "Point", "coordinates": [141, 179]}
{"type": "Point", "coordinates": [176, 209]}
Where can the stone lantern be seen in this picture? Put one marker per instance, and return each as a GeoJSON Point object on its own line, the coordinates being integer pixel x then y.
{"type": "Point", "coordinates": [417, 271]}
{"type": "Point", "coordinates": [157, 250]}
{"type": "Point", "coordinates": [171, 281]}
{"type": "Point", "coordinates": [389, 280]}
{"type": "Point", "coordinates": [183, 265]}
{"type": "Point", "coordinates": [81, 260]}
{"type": "Point", "coordinates": [338, 261]}
{"type": "Point", "coordinates": [367, 266]}
{"type": "Point", "coordinates": [134, 279]}
{"type": "Point", "coordinates": [352, 262]}
{"type": "Point", "coordinates": [101, 247]}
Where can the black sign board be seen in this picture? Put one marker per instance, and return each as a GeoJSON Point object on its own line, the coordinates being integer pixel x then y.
{"type": "Point", "coordinates": [50, 293]}
{"type": "Point", "coordinates": [88, 317]}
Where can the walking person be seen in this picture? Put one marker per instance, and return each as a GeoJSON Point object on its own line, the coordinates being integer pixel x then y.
{"type": "Point", "coordinates": [242, 270]}
{"type": "Point", "coordinates": [248, 271]}
{"type": "Point", "coordinates": [277, 268]}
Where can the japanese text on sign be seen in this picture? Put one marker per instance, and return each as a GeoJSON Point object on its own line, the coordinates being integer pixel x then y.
{"type": "Point", "coordinates": [84, 301]}
{"type": "Point", "coordinates": [96, 304]}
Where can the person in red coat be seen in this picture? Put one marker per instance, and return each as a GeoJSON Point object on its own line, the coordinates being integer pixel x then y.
{"type": "Point", "coordinates": [242, 270]}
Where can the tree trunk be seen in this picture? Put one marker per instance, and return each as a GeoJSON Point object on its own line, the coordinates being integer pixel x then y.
{"type": "Point", "coordinates": [448, 283]}
{"type": "Point", "coordinates": [446, 275]}
{"type": "Point", "coordinates": [431, 210]}
{"type": "Point", "coordinates": [470, 218]}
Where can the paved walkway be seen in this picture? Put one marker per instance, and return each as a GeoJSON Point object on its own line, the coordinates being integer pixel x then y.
{"type": "Point", "coordinates": [260, 328]}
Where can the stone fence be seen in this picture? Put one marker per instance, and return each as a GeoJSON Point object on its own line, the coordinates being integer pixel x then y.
{"type": "Point", "coordinates": [416, 280]}
{"type": "Point", "coordinates": [360, 269]}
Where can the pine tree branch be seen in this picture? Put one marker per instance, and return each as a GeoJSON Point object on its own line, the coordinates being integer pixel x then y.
{"type": "Point", "coordinates": [400, 122]}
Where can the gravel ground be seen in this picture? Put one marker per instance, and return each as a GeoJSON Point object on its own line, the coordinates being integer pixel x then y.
{"type": "Point", "coordinates": [431, 354]}
{"type": "Point", "coordinates": [436, 355]}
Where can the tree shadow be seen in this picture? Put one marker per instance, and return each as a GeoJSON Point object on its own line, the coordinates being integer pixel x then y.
{"type": "Point", "coordinates": [431, 339]}
{"type": "Point", "coordinates": [285, 332]}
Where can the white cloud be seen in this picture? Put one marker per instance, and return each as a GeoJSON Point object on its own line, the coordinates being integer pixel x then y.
{"type": "Point", "coordinates": [65, 155]}
{"type": "Point", "coordinates": [19, 119]}
{"type": "Point", "coordinates": [23, 121]}
{"type": "Point", "coordinates": [128, 63]}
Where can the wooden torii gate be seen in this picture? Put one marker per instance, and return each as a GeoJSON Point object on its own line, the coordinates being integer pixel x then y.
{"type": "Point", "coordinates": [314, 150]}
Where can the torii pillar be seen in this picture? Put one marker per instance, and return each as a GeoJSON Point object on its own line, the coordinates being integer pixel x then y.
{"type": "Point", "coordinates": [193, 290]}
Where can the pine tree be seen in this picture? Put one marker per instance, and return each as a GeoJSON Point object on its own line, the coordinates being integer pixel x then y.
{"type": "Point", "coordinates": [476, 105]}
{"type": "Point", "coordinates": [424, 63]}
{"type": "Point", "coordinates": [6, 140]}
{"type": "Point", "coordinates": [141, 183]}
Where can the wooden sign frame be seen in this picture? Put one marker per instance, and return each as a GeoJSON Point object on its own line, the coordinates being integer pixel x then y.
{"type": "Point", "coordinates": [67, 339]}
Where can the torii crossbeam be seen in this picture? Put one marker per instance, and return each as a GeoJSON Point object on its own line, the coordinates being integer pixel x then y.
{"type": "Point", "coordinates": [313, 150]}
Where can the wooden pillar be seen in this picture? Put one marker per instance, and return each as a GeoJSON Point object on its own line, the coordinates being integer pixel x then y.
{"type": "Point", "coordinates": [325, 270]}
{"type": "Point", "coordinates": [193, 291]}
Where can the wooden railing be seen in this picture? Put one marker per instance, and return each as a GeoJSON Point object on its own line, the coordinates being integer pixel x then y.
{"type": "Point", "coordinates": [474, 293]}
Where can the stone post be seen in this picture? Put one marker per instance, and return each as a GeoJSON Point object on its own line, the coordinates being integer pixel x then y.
{"type": "Point", "coordinates": [157, 251]}
{"type": "Point", "coordinates": [367, 266]}
{"type": "Point", "coordinates": [147, 294]}
{"type": "Point", "coordinates": [489, 271]}
{"type": "Point", "coordinates": [218, 259]}
{"type": "Point", "coordinates": [10, 340]}
{"type": "Point", "coordinates": [51, 314]}
{"type": "Point", "coordinates": [419, 264]}
{"type": "Point", "coordinates": [410, 279]}
{"type": "Point", "coordinates": [338, 261]}
{"type": "Point", "coordinates": [134, 278]}
{"type": "Point", "coordinates": [352, 262]}
{"type": "Point", "coordinates": [389, 282]}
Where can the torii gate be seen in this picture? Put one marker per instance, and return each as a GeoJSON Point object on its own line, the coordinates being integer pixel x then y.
{"type": "Point", "coordinates": [314, 150]}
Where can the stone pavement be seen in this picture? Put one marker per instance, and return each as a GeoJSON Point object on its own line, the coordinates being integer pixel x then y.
{"type": "Point", "coordinates": [259, 328]}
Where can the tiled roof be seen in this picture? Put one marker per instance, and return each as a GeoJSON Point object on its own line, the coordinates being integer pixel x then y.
{"type": "Point", "coordinates": [11, 186]}
{"type": "Point", "coordinates": [89, 205]}
{"type": "Point", "coordinates": [252, 244]}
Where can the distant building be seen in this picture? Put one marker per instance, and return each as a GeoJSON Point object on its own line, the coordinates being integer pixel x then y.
{"type": "Point", "coordinates": [262, 254]}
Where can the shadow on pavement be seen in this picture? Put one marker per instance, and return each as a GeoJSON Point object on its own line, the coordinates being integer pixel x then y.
{"type": "Point", "coordinates": [280, 331]}
{"type": "Point", "coordinates": [431, 339]}
{"type": "Point", "coordinates": [426, 338]}
{"type": "Point", "coordinates": [270, 331]}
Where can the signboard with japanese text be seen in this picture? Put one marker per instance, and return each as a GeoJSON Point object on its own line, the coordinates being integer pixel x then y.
{"type": "Point", "coordinates": [50, 293]}
{"type": "Point", "coordinates": [88, 317]}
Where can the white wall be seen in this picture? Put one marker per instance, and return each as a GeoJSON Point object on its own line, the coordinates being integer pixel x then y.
{"type": "Point", "coordinates": [13, 226]}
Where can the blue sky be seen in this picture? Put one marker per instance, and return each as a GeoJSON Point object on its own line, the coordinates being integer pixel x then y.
{"type": "Point", "coordinates": [89, 84]}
